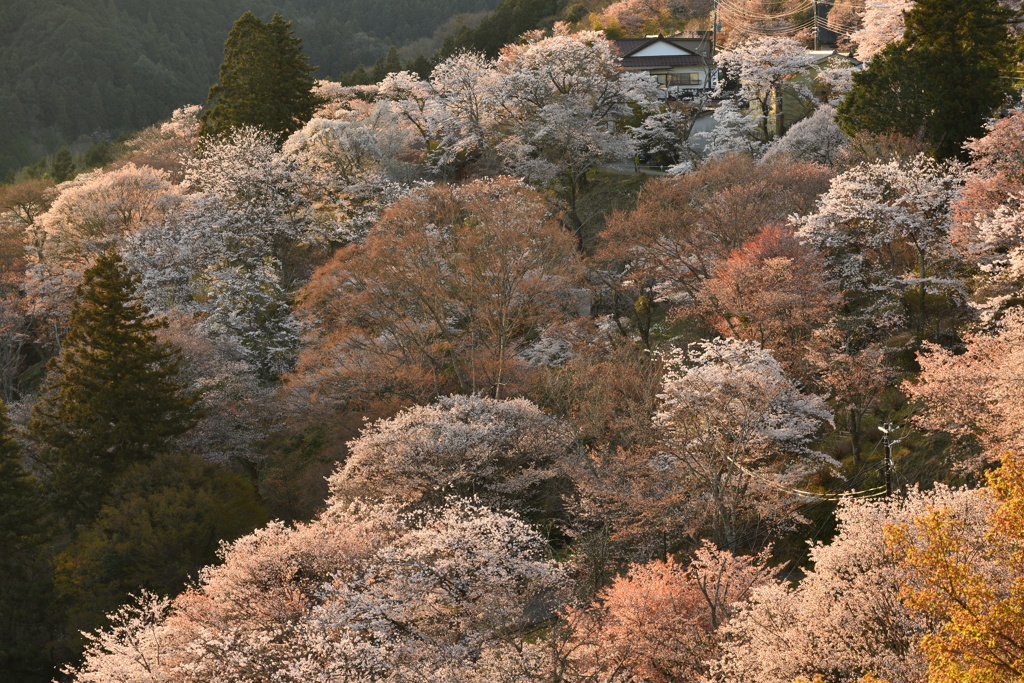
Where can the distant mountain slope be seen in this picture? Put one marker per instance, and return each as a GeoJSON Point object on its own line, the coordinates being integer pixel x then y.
{"type": "Point", "coordinates": [70, 68]}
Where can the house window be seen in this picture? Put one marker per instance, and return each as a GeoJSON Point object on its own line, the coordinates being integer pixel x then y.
{"type": "Point", "coordinates": [676, 80]}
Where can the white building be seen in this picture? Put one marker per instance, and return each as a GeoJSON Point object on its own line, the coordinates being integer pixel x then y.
{"type": "Point", "coordinates": [681, 64]}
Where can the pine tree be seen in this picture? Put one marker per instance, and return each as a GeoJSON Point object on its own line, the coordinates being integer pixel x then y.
{"type": "Point", "coordinates": [388, 64]}
{"type": "Point", "coordinates": [265, 80]}
{"type": "Point", "coordinates": [113, 396]}
{"type": "Point", "coordinates": [24, 567]}
{"type": "Point", "coordinates": [951, 71]}
{"type": "Point", "coordinates": [63, 167]}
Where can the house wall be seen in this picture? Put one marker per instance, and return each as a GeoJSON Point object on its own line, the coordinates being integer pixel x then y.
{"type": "Point", "coordinates": [695, 45]}
{"type": "Point", "coordinates": [661, 50]}
{"type": "Point", "coordinates": [675, 90]}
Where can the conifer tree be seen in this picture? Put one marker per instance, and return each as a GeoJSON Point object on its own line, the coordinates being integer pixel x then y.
{"type": "Point", "coordinates": [951, 71]}
{"type": "Point", "coordinates": [63, 166]}
{"type": "Point", "coordinates": [113, 397]}
{"type": "Point", "coordinates": [265, 80]}
{"type": "Point", "coordinates": [388, 64]}
{"type": "Point", "coordinates": [24, 568]}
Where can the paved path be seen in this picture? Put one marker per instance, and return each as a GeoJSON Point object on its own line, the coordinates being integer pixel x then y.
{"type": "Point", "coordinates": [627, 167]}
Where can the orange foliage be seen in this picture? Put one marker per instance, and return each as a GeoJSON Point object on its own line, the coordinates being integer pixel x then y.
{"type": "Point", "coordinates": [448, 288]}
{"type": "Point", "coordinates": [659, 623]}
{"type": "Point", "coordinates": [972, 586]}
{"type": "Point", "coordinates": [772, 290]}
{"type": "Point", "coordinates": [997, 160]}
{"type": "Point", "coordinates": [682, 226]}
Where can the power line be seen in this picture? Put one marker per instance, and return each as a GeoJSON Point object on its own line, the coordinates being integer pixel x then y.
{"type": "Point", "coordinates": [739, 9]}
{"type": "Point", "coordinates": [866, 493]}
{"type": "Point", "coordinates": [801, 508]}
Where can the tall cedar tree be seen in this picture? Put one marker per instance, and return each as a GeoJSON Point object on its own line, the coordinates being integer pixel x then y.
{"type": "Point", "coordinates": [63, 166]}
{"type": "Point", "coordinates": [951, 71]}
{"type": "Point", "coordinates": [24, 566]}
{"type": "Point", "coordinates": [113, 397]}
{"type": "Point", "coordinates": [265, 80]}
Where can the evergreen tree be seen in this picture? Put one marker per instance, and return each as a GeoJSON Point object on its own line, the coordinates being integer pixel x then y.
{"type": "Point", "coordinates": [388, 64]}
{"type": "Point", "coordinates": [421, 66]}
{"type": "Point", "coordinates": [24, 567]}
{"type": "Point", "coordinates": [63, 167]}
{"type": "Point", "coordinates": [265, 80]}
{"type": "Point", "coordinates": [164, 520]}
{"type": "Point", "coordinates": [509, 20]}
{"type": "Point", "coordinates": [951, 71]}
{"type": "Point", "coordinates": [113, 397]}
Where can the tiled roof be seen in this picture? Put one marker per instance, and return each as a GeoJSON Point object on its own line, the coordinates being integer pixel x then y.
{"type": "Point", "coordinates": [664, 62]}
{"type": "Point", "coordinates": [627, 45]}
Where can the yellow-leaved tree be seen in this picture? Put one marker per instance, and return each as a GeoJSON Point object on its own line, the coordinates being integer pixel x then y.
{"type": "Point", "coordinates": [973, 587]}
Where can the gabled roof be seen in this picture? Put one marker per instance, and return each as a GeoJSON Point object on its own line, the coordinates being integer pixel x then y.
{"type": "Point", "coordinates": [663, 62]}
{"type": "Point", "coordinates": [627, 46]}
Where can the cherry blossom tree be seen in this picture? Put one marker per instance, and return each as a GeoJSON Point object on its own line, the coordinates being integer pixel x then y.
{"type": "Point", "coordinates": [263, 221]}
{"type": "Point", "coordinates": [166, 146]}
{"type": "Point", "coordinates": [882, 23]}
{"type": "Point", "coordinates": [237, 410]}
{"type": "Point", "coordinates": [847, 616]}
{"type": "Point", "coordinates": [351, 146]}
{"type": "Point", "coordinates": [667, 246]}
{"type": "Point", "coordinates": [443, 295]}
{"type": "Point", "coordinates": [658, 623]}
{"type": "Point", "coordinates": [772, 290]}
{"type": "Point", "coordinates": [453, 111]}
{"type": "Point", "coordinates": [508, 454]}
{"type": "Point", "coordinates": [362, 593]}
{"type": "Point", "coordinates": [737, 435]}
{"type": "Point", "coordinates": [977, 393]}
{"type": "Point", "coordinates": [988, 213]}
{"type": "Point", "coordinates": [885, 228]}
{"type": "Point", "coordinates": [734, 133]}
{"type": "Point", "coordinates": [762, 66]}
{"type": "Point", "coordinates": [201, 262]}
{"type": "Point", "coordinates": [90, 213]}
{"type": "Point", "coordinates": [558, 97]}
{"type": "Point", "coordinates": [466, 85]}
{"type": "Point", "coordinates": [245, 171]}
{"type": "Point", "coordinates": [969, 580]}
{"type": "Point", "coordinates": [817, 138]}
{"type": "Point", "coordinates": [636, 18]}
{"type": "Point", "coordinates": [667, 132]}
{"type": "Point", "coordinates": [98, 207]}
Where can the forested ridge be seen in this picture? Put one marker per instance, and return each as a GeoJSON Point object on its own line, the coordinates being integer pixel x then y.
{"type": "Point", "coordinates": [100, 68]}
{"type": "Point", "coordinates": [500, 373]}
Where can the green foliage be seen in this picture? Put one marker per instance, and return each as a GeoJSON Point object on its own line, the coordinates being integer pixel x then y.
{"type": "Point", "coordinates": [952, 70]}
{"type": "Point", "coordinates": [509, 20]}
{"type": "Point", "coordinates": [24, 566]}
{"type": "Point", "coordinates": [113, 397]}
{"type": "Point", "coordinates": [163, 522]}
{"type": "Point", "coordinates": [265, 80]}
{"type": "Point", "coordinates": [72, 68]}
{"type": "Point", "coordinates": [63, 166]}
{"type": "Point", "coordinates": [387, 64]}
{"type": "Point", "coordinates": [421, 66]}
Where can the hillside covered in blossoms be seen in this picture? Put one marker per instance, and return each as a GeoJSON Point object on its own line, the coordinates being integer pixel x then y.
{"type": "Point", "coordinates": [537, 362]}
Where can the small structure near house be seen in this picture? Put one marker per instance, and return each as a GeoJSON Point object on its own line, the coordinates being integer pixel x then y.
{"type": "Point", "coordinates": [681, 64]}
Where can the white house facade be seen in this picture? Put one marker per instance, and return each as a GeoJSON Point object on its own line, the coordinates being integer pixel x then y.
{"type": "Point", "coordinates": [680, 64]}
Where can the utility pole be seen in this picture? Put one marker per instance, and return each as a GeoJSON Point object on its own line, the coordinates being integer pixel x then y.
{"type": "Point", "coordinates": [714, 32]}
{"type": "Point", "coordinates": [712, 69]}
{"type": "Point", "coordinates": [817, 27]}
{"type": "Point", "coordinates": [886, 429]}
